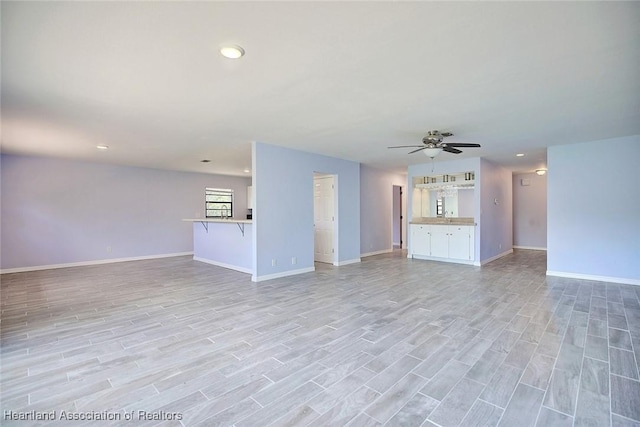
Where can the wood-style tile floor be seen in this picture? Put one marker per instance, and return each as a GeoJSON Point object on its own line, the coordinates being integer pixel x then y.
{"type": "Point", "coordinates": [390, 341]}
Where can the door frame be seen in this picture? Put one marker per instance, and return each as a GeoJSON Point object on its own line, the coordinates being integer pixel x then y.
{"type": "Point", "coordinates": [336, 235]}
{"type": "Point", "coordinates": [403, 216]}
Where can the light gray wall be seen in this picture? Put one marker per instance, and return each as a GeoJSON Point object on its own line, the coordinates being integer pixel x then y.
{"type": "Point", "coordinates": [225, 244]}
{"type": "Point", "coordinates": [57, 211]}
{"type": "Point", "coordinates": [594, 209]}
{"type": "Point", "coordinates": [496, 210]}
{"type": "Point", "coordinates": [376, 208]}
{"type": "Point", "coordinates": [530, 211]}
{"type": "Point", "coordinates": [283, 208]}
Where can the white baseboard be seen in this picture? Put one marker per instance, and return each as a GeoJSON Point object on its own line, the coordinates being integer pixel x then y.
{"type": "Point", "coordinates": [493, 258]}
{"type": "Point", "coordinates": [94, 262]}
{"type": "Point", "coordinates": [623, 280]}
{"type": "Point", "coordinates": [262, 278]}
{"type": "Point", "coordinates": [431, 258]}
{"type": "Point", "coordinates": [347, 262]}
{"type": "Point", "coordinates": [223, 265]}
{"type": "Point", "coordinates": [384, 251]}
{"type": "Point", "coordinates": [532, 248]}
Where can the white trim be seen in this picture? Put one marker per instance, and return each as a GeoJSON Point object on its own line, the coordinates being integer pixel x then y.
{"type": "Point", "coordinates": [533, 248]}
{"type": "Point", "coordinates": [255, 278]}
{"type": "Point", "coordinates": [335, 235]}
{"type": "Point", "coordinates": [223, 265]}
{"type": "Point", "coordinates": [384, 251]}
{"type": "Point", "coordinates": [623, 280]}
{"type": "Point", "coordinates": [493, 258]}
{"type": "Point", "coordinates": [451, 260]}
{"type": "Point", "coordinates": [403, 216]}
{"type": "Point", "coordinates": [94, 262]}
{"type": "Point", "coordinates": [347, 262]}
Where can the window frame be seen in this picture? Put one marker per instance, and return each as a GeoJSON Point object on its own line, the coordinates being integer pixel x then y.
{"type": "Point", "coordinates": [224, 192]}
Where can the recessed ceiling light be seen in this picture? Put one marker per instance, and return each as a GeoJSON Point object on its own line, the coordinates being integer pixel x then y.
{"type": "Point", "coordinates": [541, 171]}
{"type": "Point", "coordinates": [519, 155]}
{"type": "Point", "coordinates": [232, 52]}
{"type": "Point", "coordinates": [205, 161]}
{"type": "Point", "coordinates": [102, 147]}
{"type": "Point", "coordinates": [247, 171]}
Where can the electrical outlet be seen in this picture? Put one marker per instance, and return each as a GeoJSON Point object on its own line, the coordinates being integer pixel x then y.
{"type": "Point", "coordinates": [500, 246]}
{"type": "Point", "coordinates": [294, 260]}
{"type": "Point", "coordinates": [108, 249]}
{"type": "Point", "coordinates": [274, 262]}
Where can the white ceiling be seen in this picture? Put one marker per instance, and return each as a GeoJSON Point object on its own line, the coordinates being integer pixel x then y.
{"type": "Point", "coordinates": [344, 79]}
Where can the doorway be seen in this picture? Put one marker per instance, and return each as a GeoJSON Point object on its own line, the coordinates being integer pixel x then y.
{"type": "Point", "coordinates": [397, 215]}
{"type": "Point", "coordinates": [323, 217]}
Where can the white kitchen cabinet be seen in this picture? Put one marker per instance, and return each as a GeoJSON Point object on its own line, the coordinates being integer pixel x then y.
{"type": "Point", "coordinates": [454, 243]}
{"type": "Point", "coordinates": [420, 239]}
{"type": "Point", "coordinates": [460, 242]}
{"type": "Point", "coordinates": [440, 241]}
{"type": "Point", "coordinates": [250, 197]}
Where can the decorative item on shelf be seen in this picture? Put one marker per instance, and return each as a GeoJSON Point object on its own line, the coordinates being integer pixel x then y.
{"type": "Point", "coordinates": [433, 180]}
{"type": "Point", "coordinates": [453, 178]}
{"type": "Point", "coordinates": [446, 192]}
{"type": "Point", "coordinates": [445, 178]}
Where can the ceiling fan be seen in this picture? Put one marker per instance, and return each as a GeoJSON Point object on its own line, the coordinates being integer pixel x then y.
{"type": "Point", "coordinates": [433, 145]}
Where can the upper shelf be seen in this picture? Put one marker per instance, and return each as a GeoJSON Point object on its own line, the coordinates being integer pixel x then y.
{"type": "Point", "coordinates": [449, 184]}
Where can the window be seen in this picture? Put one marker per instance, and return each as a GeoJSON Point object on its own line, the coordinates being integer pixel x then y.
{"type": "Point", "coordinates": [218, 203]}
{"type": "Point", "coordinates": [440, 207]}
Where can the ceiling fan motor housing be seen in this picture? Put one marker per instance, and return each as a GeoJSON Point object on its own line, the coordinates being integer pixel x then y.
{"type": "Point", "coordinates": [432, 139]}
{"type": "Point", "coordinates": [435, 137]}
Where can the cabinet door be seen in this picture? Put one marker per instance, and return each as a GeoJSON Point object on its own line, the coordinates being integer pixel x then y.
{"type": "Point", "coordinates": [439, 241]}
{"type": "Point", "coordinates": [420, 240]}
{"type": "Point", "coordinates": [459, 242]}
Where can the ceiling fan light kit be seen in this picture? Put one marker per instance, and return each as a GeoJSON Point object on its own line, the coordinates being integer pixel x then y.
{"type": "Point", "coordinates": [433, 144]}
{"type": "Point", "coordinates": [432, 152]}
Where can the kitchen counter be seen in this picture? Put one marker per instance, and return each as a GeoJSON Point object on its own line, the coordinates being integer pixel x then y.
{"type": "Point", "coordinates": [443, 221]}
{"type": "Point", "coordinates": [229, 220]}
{"type": "Point", "coordinates": [223, 242]}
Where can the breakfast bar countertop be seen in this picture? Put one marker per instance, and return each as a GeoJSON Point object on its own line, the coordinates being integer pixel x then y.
{"type": "Point", "coordinates": [229, 220]}
{"type": "Point", "coordinates": [443, 221]}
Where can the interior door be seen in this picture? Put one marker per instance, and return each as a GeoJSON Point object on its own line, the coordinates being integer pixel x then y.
{"type": "Point", "coordinates": [324, 218]}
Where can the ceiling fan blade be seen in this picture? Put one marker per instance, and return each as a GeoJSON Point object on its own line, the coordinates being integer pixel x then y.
{"type": "Point", "coordinates": [419, 149]}
{"type": "Point", "coordinates": [461, 144]}
{"type": "Point", "coordinates": [451, 150]}
{"type": "Point", "coordinates": [446, 134]}
{"type": "Point", "coordinates": [406, 146]}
